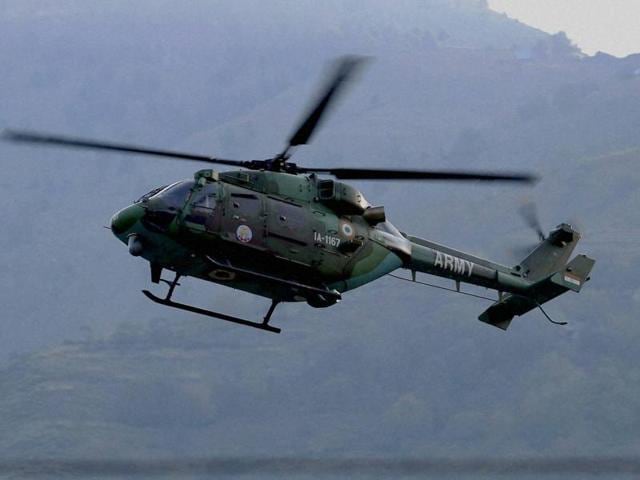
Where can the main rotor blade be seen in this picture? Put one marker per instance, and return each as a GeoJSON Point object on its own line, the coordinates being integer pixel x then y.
{"type": "Point", "coordinates": [385, 174]}
{"type": "Point", "coordinates": [59, 140]}
{"type": "Point", "coordinates": [344, 72]}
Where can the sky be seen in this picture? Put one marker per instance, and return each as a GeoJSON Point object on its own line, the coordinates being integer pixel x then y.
{"type": "Point", "coordinates": [609, 26]}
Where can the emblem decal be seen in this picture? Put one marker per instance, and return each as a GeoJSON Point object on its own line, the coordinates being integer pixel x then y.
{"type": "Point", "coordinates": [346, 229]}
{"type": "Point", "coordinates": [244, 233]}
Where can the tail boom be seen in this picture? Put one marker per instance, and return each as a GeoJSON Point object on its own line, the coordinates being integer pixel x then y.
{"type": "Point", "coordinates": [540, 277]}
{"type": "Point", "coordinates": [442, 261]}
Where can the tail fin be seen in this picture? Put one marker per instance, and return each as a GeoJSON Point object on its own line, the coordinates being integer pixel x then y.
{"type": "Point", "coordinates": [551, 254]}
{"type": "Point", "coordinates": [546, 266]}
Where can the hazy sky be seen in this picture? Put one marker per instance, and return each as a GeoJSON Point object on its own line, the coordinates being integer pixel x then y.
{"type": "Point", "coordinates": [607, 25]}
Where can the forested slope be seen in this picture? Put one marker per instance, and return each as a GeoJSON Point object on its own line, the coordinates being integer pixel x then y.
{"type": "Point", "coordinates": [91, 367]}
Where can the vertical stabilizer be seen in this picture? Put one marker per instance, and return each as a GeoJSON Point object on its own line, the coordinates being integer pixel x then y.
{"type": "Point", "coordinates": [551, 254]}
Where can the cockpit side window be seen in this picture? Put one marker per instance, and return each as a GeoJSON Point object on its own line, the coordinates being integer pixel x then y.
{"type": "Point", "coordinates": [205, 198]}
{"type": "Point", "coordinates": [203, 204]}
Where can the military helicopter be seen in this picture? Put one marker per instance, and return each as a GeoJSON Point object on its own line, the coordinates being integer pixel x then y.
{"type": "Point", "coordinates": [282, 231]}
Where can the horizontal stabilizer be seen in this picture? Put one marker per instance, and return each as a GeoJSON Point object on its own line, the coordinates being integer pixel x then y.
{"type": "Point", "coordinates": [501, 313]}
{"type": "Point", "coordinates": [575, 274]}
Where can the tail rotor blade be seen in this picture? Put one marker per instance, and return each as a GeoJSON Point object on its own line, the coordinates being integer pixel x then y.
{"type": "Point", "coordinates": [529, 213]}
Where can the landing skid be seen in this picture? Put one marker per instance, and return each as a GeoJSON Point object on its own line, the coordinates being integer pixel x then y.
{"type": "Point", "coordinates": [264, 325]}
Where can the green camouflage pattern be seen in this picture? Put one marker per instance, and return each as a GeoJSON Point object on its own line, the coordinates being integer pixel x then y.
{"type": "Point", "coordinates": [257, 230]}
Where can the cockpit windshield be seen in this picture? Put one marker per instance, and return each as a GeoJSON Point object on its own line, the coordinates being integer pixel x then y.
{"type": "Point", "coordinates": [147, 196]}
{"type": "Point", "coordinates": [174, 195]}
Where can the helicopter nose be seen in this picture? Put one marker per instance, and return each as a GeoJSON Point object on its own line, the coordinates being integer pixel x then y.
{"type": "Point", "coordinates": [126, 218]}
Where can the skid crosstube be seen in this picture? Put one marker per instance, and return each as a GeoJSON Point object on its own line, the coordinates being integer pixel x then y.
{"type": "Point", "coordinates": [209, 313]}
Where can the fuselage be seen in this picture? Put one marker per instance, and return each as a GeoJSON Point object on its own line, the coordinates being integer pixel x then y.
{"type": "Point", "coordinates": [304, 229]}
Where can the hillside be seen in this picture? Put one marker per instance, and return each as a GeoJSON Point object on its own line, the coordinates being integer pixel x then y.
{"type": "Point", "coordinates": [91, 368]}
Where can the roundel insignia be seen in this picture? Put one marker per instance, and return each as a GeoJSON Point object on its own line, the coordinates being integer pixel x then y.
{"type": "Point", "coordinates": [346, 229]}
{"type": "Point", "coordinates": [244, 233]}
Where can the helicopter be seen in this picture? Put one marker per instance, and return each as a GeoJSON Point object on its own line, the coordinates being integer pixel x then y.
{"type": "Point", "coordinates": [286, 232]}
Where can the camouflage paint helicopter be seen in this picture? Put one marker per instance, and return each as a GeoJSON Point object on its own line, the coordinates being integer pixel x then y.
{"type": "Point", "coordinates": [279, 230]}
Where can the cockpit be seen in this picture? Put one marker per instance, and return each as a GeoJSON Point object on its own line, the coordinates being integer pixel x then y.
{"type": "Point", "coordinates": [162, 204]}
